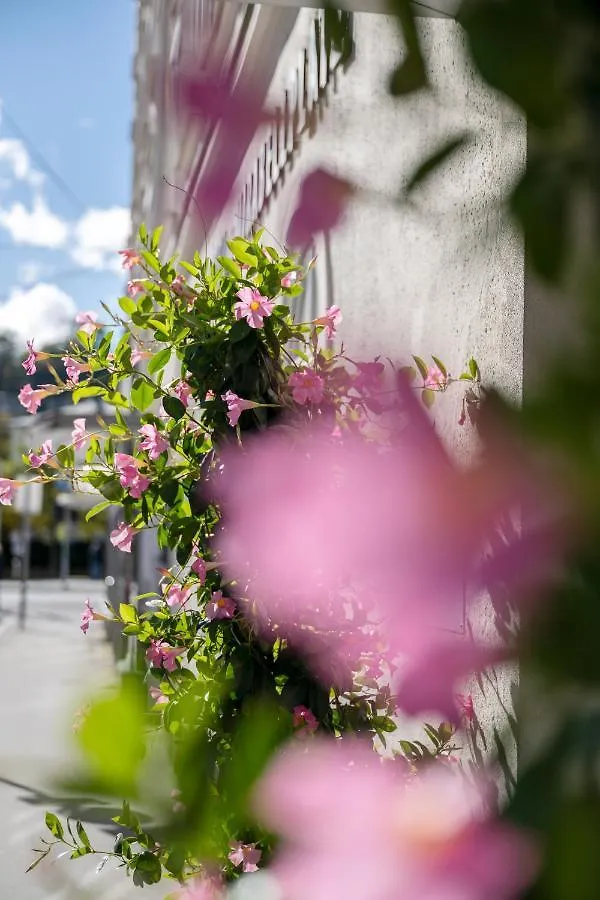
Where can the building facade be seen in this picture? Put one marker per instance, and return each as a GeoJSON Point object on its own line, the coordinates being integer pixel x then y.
{"type": "Point", "coordinates": [442, 274]}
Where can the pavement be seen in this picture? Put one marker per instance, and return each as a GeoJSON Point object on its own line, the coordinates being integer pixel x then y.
{"type": "Point", "coordinates": [49, 669]}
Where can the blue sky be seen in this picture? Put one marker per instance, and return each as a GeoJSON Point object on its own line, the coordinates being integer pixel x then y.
{"type": "Point", "coordinates": [66, 83]}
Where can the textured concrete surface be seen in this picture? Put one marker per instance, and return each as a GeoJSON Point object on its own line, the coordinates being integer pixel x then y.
{"type": "Point", "coordinates": [49, 669]}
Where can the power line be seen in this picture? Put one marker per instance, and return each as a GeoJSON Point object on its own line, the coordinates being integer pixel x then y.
{"type": "Point", "coordinates": [41, 160]}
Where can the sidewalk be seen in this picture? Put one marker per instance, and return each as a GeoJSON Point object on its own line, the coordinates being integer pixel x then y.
{"type": "Point", "coordinates": [49, 669]}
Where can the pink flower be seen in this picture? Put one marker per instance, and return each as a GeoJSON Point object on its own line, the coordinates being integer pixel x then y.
{"type": "Point", "coordinates": [305, 719]}
{"type": "Point", "coordinates": [8, 489]}
{"type": "Point", "coordinates": [183, 392]}
{"type": "Point", "coordinates": [182, 290]}
{"type": "Point", "coordinates": [87, 616]}
{"type": "Point", "coordinates": [331, 320]}
{"type": "Point", "coordinates": [88, 321]}
{"type": "Point", "coordinates": [130, 259]}
{"type": "Point", "coordinates": [245, 855]}
{"type": "Point", "coordinates": [137, 355]}
{"type": "Point", "coordinates": [158, 696]}
{"type": "Point", "coordinates": [29, 362]}
{"type": "Point", "coordinates": [128, 468]}
{"type": "Point", "coordinates": [177, 594]}
{"type": "Point", "coordinates": [321, 204]}
{"type": "Point", "coordinates": [199, 569]}
{"type": "Point", "coordinates": [31, 399]}
{"type": "Point", "coordinates": [162, 656]}
{"type": "Point", "coordinates": [465, 706]}
{"type": "Point", "coordinates": [289, 279]}
{"type": "Point", "coordinates": [135, 287]}
{"type": "Point", "coordinates": [429, 833]}
{"type": "Point", "coordinates": [122, 536]}
{"type": "Point", "coordinates": [421, 523]}
{"type": "Point", "coordinates": [205, 888]}
{"type": "Point", "coordinates": [153, 442]}
{"type": "Point", "coordinates": [252, 307]}
{"type": "Point", "coordinates": [219, 607]}
{"type": "Point", "coordinates": [39, 459]}
{"type": "Point", "coordinates": [435, 380]}
{"type": "Point", "coordinates": [306, 385]}
{"type": "Point", "coordinates": [74, 368]}
{"type": "Point", "coordinates": [236, 406]}
{"type": "Point", "coordinates": [368, 378]}
{"type": "Point", "coordinates": [79, 435]}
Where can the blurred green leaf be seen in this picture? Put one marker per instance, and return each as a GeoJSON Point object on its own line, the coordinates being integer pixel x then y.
{"type": "Point", "coordinates": [54, 826]}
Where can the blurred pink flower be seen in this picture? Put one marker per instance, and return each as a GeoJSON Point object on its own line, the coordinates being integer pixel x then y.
{"type": "Point", "coordinates": [8, 489]}
{"type": "Point", "coordinates": [130, 259]}
{"type": "Point", "coordinates": [162, 656]}
{"type": "Point", "coordinates": [122, 536]}
{"type": "Point", "coordinates": [88, 321]}
{"type": "Point", "coordinates": [177, 594]}
{"type": "Point", "coordinates": [137, 355]}
{"type": "Point", "coordinates": [39, 459]}
{"type": "Point", "coordinates": [219, 607]}
{"type": "Point", "coordinates": [252, 307]}
{"type": "Point", "coordinates": [356, 827]}
{"type": "Point", "coordinates": [435, 380]}
{"type": "Point", "coordinates": [31, 399]}
{"type": "Point", "coordinates": [128, 468]}
{"type": "Point", "coordinates": [369, 377]}
{"type": "Point", "coordinates": [465, 706]}
{"type": "Point", "coordinates": [236, 406]}
{"type": "Point", "coordinates": [79, 435]}
{"type": "Point", "coordinates": [135, 287]}
{"type": "Point", "coordinates": [154, 443]}
{"type": "Point", "coordinates": [321, 205]}
{"type": "Point", "coordinates": [158, 696]}
{"type": "Point", "coordinates": [74, 368]}
{"type": "Point", "coordinates": [305, 719]}
{"type": "Point", "coordinates": [87, 616]}
{"type": "Point", "coordinates": [306, 385]}
{"type": "Point", "coordinates": [199, 569]}
{"type": "Point", "coordinates": [183, 392]}
{"type": "Point", "coordinates": [289, 279]}
{"type": "Point", "coordinates": [29, 362]}
{"type": "Point", "coordinates": [331, 320]}
{"type": "Point", "coordinates": [202, 888]}
{"type": "Point", "coordinates": [245, 855]}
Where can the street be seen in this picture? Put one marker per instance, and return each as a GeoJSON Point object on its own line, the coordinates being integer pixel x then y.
{"type": "Point", "coordinates": [49, 669]}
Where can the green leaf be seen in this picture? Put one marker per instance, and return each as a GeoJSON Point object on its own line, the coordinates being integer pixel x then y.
{"type": "Point", "coordinates": [440, 366]}
{"type": "Point", "coordinates": [127, 304]}
{"type": "Point", "coordinates": [239, 248]}
{"type": "Point", "coordinates": [81, 832]}
{"type": "Point", "coordinates": [81, 393]}
{"type": "Point", "coordinates": [193, 270]}
{"type": "Point", "coordinates": [159, 361]}
{"type": "Point", "coordinates": [151, 260]}
{"type": "Point", "coordinates": [473, 368]}
{"type": "Point", "coordinates": [54, 826]}
{"type": "Point", "coordinates": [421, 366]}
{"type": "Point", "coordinates": [173, 407]}
{"type": "Point", "coordinates": [128, 612]}
{"type": "Point", "coordinates": [148, 869]}
{"type": "Point", "coordinates": [95, 510]}
{"type": "Point", "coordinates": [143, 233]}
{"type": "Point", "coordinates": [41, 858]}
{"type": "Point", "coordinates": [156, 236]}
{"type": "Point", "coordinates": [142, 394]}
{"type": "Point", "coordinates": [428, 397]}
{"type": "Point", "coordinates": [230, 266]}
{"type": "Point", "coordinates": [433, 162]}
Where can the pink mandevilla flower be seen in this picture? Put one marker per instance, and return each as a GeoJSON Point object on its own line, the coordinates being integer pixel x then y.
{"type": "Point", "coordinates": [330, 321]}
{"type": "Point", "coordinates": [347, 501]}
{"type": "Point", "coordinates": [236, 406]}
{"type": "Point", "coordinates": [30, 360]}
{"type": "Point", "coordinates": [79, 435]}
{"type": "Point", "coordinates": [252, 307]}
{"type": "Point", "coordinates": [428, 833]}
{"type": "Point", "coordinates": [321, 205]}
{"type": "Point", "coordinates": [435, 380]}
{"type": "Point", "coordinates": [305, 719]}
{"type": "Point", "coordinates": [31, 399]}
{"type": "Point", "coordinates": [158, 696]}
{"type": "Point", "coordinates": [135, 287]}
{"type": "Point", "coordinates": [74, 368]}
{"type": "Point", "coordinates": [153, 441]}
{"type": "Point", "coordinates": [162, 656]}
{"type": "Point", "coordinates": [177, 595]}
{"type": "Point", "coordinates": [8, 489]}
{"type": "Point", "coordinates": [130, 259]}
{"type": "Point", "coordinates": [87, 616]}
{"type": "Point", "coordinates": [128, 468]}
{"type": "Point", "coordinates": [183, 392]}
{"type": "Point", "coordinates": [88, 321]}
{"type": "Point", "coordinates": [122, 536]}
{"type": "Point", "coordinates": [307, 386]}
{"type": "Point", "coordinates": [289, 280]}
{"type": "Point", "coordinates": [245, 855]}
{"type": "Point", "coordinates": [45, 455]}
{"type": "Point", "coordinates": [466, 707]}
{"type": "Point", "coordinates": [219, 607]}
{"type": "Point", "coordinates": [199, 569]}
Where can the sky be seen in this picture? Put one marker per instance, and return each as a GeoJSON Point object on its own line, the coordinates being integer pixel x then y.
{"type": "Point", "coordinates": [66, 113]}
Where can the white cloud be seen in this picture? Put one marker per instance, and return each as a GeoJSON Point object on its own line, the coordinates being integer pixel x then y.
{"type": "Point", "coordinates": [98, 235]}
{"type": "Point", "coordinates": [43, 312]}
{"type": "Point", "coordinates": [16, 157]}
{"type": "Point", "coordinates": [37, 227]}
{"type": "Point", "coordinates": [29, 272]}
